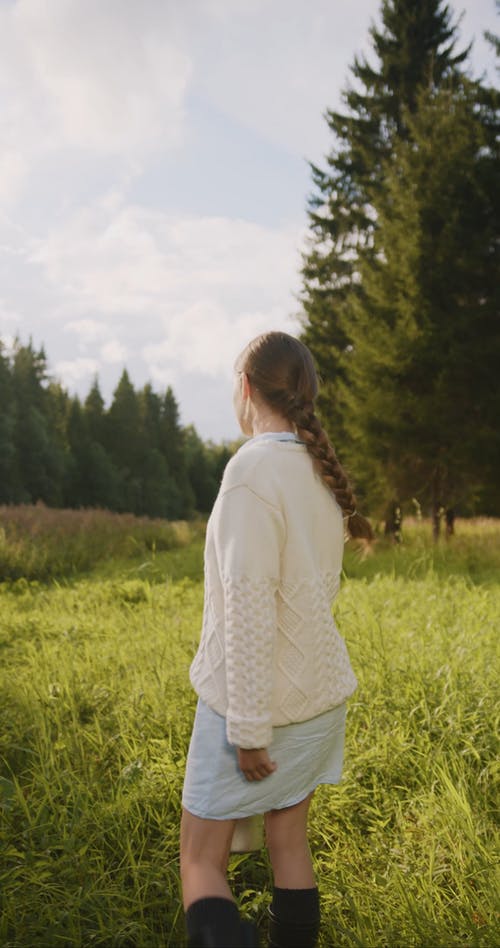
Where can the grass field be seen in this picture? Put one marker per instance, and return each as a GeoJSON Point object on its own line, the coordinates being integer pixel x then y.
{"type": "Point", "coordinates": [95, 719]}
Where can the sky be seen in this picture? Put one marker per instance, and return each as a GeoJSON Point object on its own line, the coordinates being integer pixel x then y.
{"type": "Point", "coordinates": [154, 175]}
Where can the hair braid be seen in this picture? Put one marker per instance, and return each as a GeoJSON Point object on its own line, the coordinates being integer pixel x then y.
{"type": "Point", "coordinates": [282, 372]}
{"type": "Point", "coordinates": [311, 431]}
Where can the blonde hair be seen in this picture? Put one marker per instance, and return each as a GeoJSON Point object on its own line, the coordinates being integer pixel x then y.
{"type": "Point", "coordinates": [281, 369]}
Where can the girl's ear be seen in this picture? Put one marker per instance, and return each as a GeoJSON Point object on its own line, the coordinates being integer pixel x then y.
{"type": "Point", "coordinates": [245, 385]}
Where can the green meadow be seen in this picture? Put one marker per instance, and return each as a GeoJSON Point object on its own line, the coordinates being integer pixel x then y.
{"type": "Point", "coordinates": [96, 635]}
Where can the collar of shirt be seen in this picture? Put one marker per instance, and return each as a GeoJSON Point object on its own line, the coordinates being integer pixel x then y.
{"type": "Point", "coordinates": [274, 436]}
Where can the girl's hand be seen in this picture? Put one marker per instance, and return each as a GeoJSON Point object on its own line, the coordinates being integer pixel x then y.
{"type": "Point", "coordinates": [255, 764]}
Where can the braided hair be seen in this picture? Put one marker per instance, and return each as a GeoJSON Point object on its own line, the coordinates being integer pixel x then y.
{"type": "Point", "coordinates": [281, 369]}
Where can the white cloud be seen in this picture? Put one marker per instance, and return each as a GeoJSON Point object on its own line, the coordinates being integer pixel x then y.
{"type": "Point", "coordinates": [13, 170]}
{"type": "Point", "coordinates": [173, 297]}
{"type": "Point", "coordinates": [95, 335]}
{"type": "Point", "coordinates": [129, 259]}
{"type": "Point", "coordinates": [185, 292]}
{"type": "Point", "coordinates": [76, 370]}
{"type": "Point", "coordinates": [8, 316]}
{"type": "Point", "coordinates": [276, 65]}
{"type": "Point", "coordinates": [109, 77]}
{"type": "Point", "coordinates": [205, 338]}
{"type": "Point", "coordinates": [113, 72]}
{"type": "Point", "coordinates": [113, 352]}
{"type": "Point", "coordinates": [87, 330]}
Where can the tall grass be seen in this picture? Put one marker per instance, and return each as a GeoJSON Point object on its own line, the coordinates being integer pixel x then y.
{"type": "Point", "coordinates": [41, 543]}
{"type": "Point", "coordinates": [95, 716]}
{"type": "Point", "coordinates": [473, 552]}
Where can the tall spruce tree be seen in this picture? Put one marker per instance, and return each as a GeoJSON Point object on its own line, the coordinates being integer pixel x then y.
{"type": "Point", "coordinates": [422, 397]}
{"type": "Point", "coordinates": [125, 443]}
{"type": "Point", "coordinates": [76, 487]}
{"type": "Point", "coordinates": [162, 496]}
{"type": "Point", "coordinates": [414, 48]}
{"type": "Point", "coordinates": [94, 411]}
{"type": "Point", "coordinates": [150, 409]}
{"type": "Point", "coordinates": [172, 447]}
{"type": "Point", "coordinates": [201, 470]}
{"type": "Point", "coordinates": [103, 484]}
{"type": "Point", "coordinates": [39, 454]}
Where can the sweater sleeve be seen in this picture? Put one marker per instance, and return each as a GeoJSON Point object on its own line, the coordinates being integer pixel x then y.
{"type": "Point", "coordinates": [249, 534]}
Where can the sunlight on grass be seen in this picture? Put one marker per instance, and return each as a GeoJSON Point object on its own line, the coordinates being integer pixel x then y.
{"type": "Point", "coordinates": [96, 711]}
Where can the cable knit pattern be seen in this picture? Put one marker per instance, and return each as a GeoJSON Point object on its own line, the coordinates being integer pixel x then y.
{"type": "Point", "coordinates": [270, 652]}
{"type": "Point", "coordinates": [250, 605]}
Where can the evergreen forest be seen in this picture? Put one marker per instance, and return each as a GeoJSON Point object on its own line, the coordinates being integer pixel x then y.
{"type": "Point", "coordinates": [131, 457]}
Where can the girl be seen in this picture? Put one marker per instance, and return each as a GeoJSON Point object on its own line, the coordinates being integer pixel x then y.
{"type": "Point", "coordinates": [272, 672]}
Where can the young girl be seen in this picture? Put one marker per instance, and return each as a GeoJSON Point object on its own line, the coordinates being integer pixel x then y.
{"type": "Point", "coordinates": [272, 672]}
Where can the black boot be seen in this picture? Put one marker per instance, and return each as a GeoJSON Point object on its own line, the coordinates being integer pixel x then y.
{"type": "Point", "coordinates": [294, 918]}
{"type": "Point", "coordinates": [215, 923]}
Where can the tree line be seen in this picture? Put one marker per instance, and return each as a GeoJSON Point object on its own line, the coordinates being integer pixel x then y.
{"type": "Point", "coordinates": [134, 456]}
{"type": "Point", "coordinates": [401, 279]}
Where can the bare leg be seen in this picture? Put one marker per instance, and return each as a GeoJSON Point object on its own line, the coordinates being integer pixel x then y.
{"type": "Point", "coordinates": [294, 913]}
{"type": "Point", "coordinates": [205, 846]}
{"type": "Point", "coordinates": [288, 846]}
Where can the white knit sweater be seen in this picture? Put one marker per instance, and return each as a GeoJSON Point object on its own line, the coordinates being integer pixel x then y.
{"type": "Point", "coordinates": [270, 653]}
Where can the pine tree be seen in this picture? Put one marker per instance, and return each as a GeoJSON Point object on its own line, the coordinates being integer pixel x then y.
{"type": "Point", "coordinates": [151, 411]}
{"type": "Point", "coordinates": [125, 444]}
{"type": "Point", "coordinates": [162, 494]}
{"type": "Point", "coordinates": [415, 48]}
{"type": "Point", "coordinates": [422, 399]}
{"type": "Point", "coordinates": [494, 38]}
{"type": "Point", "coordinates": [103, 483]}
{"type": "Point", "coordinates": [104, 486]}
{"type": "Point", "coordinates": [76, 482]}
{"type": "Point", "coordinates": [200, 470]}
{"type": "Point", "coordinates": [172, 447]}
{"type": "Point", "coordinates": [55, 409]}
{"type": "Point", "coordinates": [39, 455]}
{"type": "Point", "coordinates": [94, 411]}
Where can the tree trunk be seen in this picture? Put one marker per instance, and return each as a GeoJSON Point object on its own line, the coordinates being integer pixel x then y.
{"type": "Point", "coordinates": [449, 516]}
{"type": "Point", "coordinates": [437, 506]}
{"type": "Point", "coordinates": [393, 521]}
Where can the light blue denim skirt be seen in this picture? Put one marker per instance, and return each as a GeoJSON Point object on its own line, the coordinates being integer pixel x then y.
{"type": "Point", "coordinates": [307, 754]}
